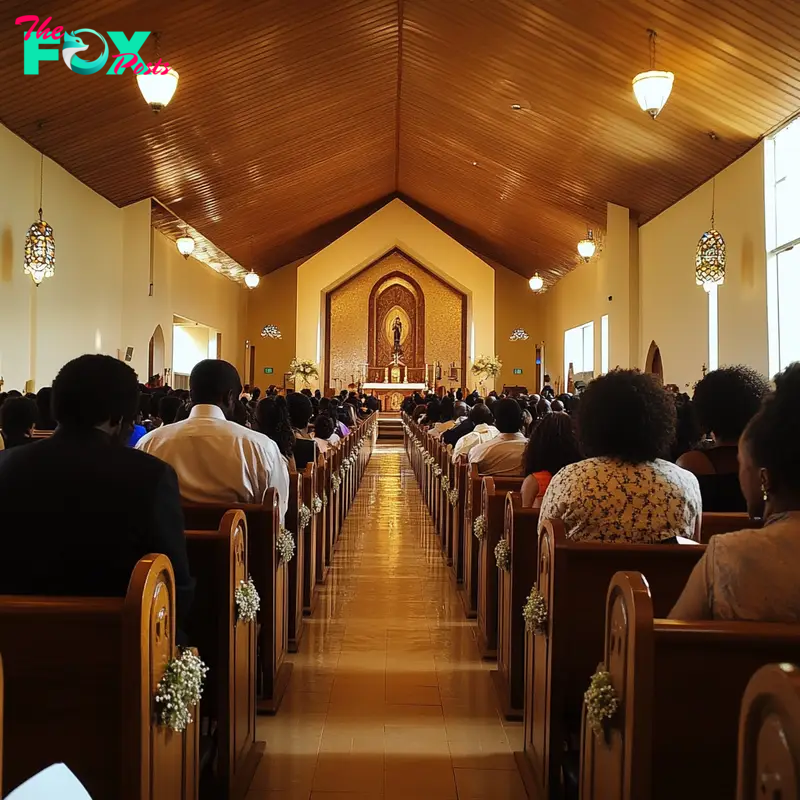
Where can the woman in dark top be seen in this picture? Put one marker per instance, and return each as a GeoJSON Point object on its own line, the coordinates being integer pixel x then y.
{"type": "Point", "coordinates": [272, 419]}
{"type": "Point", "coordinates": [724, 402]}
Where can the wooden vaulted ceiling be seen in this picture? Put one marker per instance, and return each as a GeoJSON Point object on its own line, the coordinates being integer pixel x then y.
{"type": "Point", "coordinates": [296, 119]}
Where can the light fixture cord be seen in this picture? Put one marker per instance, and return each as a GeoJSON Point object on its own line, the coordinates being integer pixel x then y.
{"type": "Point", "coordinates": [713, 198]}
{"type": "Point", "coordinates": [41, 184]}
{"type": "Point", "coordinates": [652, 49]}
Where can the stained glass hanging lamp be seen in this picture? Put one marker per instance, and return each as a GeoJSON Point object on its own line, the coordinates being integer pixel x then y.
{"type": "Point", "coordinates": [711, 253]}
{"type": "Point", "coordinates": [40, 246]}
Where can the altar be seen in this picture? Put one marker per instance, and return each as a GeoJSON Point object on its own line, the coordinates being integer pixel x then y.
{"type": "Point", "coordinates": [392, 395]}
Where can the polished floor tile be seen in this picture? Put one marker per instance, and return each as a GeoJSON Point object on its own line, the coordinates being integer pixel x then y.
{"type": "Point", "coordinates": [389, 699]}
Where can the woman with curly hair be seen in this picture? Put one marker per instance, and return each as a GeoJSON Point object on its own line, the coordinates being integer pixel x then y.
{"type": "Point", "coordinates": [624, 491]}
{"type": "Point", "coordinates": [272, 419]}
{"type": "Point", "coordinates": [752, 574]}
{"type": "Point", "coordinates": [553, 445]}
{"type": "Point", "coordinates": [724, 402]}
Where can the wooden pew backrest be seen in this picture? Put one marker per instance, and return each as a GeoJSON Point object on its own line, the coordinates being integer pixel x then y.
{"type": "Point", "coordinates": [715, 523]}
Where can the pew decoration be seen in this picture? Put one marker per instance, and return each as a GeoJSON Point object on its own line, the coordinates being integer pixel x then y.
{"type": "Point", "coordinates": [304, 516]}
{"type": "Point", "coordinates": [446, 484]}
{"type": "Point", "coordinates": [437, 470]}
{"type": "Point", "coordinates": [180, 690]}
{"type": "Point", "coordinates": [534, 612]}
{"type": "Point", "coordinates": [317, 505]}
{"type": "Point", "coordinates": [248, 603]}
{"type": "Point", "coordinates": [284, 544]}
{"type": "Point", "coordinates": [336, 482]}
{"type": "Point", "coordinates": [453, 496]}
{"type": "Point", "coordinates": [502, 554]}
{"type": "Point", "coordinates": [479, 527]}
{"type": "Point", "coordinates": [324, 499]}
{"type": "Point", "coordinates": [600, 700]}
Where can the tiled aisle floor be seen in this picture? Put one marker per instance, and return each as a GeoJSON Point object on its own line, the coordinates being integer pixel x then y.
{"type": "Point", "coordinates": [388, 698]}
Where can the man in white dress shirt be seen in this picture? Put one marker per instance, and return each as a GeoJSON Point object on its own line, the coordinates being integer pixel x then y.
{"type": "Point", "coordinates": [218, 460]}
{"type": "Point", "coordinates": [504, 454]}
{"type": "Point", "coordinates": [481, 421]}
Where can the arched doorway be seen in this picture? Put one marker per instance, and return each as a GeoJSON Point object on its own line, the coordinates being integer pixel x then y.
{"type": "Point", "coordinates": [155, 354]}
{"type": "Point", "coordinates": [654, 365]}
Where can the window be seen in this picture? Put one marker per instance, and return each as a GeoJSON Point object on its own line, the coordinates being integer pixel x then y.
{"type": "Point", "coordinates": [604, 344]}
{"type": "Point", "coordinates": [713, 329]}
{"type": "Point", "coordinates": [579, 349]}
{"type": "Point", "coordinates": [782, 168]}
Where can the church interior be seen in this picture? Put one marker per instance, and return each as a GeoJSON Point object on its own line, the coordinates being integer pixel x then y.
{"type": "Point", "coordinates": [516, 283]}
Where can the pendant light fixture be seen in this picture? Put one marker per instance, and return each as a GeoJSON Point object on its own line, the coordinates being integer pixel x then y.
{"type": "Point", "coordinates": [40, 246]}
{"type": "Point", "coordinates": [252, 279]}
{"type": "Point", "coordinates": [709, 269]}
{"type": "Point", "coordinates": [652, 88]}
{"type": "Point", "coordinates": [158, 89]}
{"type": "Point", "coordinates": [587, 246]}
{"type": "Point", "coordinates": [536, 282]}
{"type": "Point", "coordinates": [185, 245]}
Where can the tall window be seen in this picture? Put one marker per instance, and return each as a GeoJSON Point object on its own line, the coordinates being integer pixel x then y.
{"type": "Point", "coordinates": [782, 195]}
{"type": "Point", "coordinates": [713, 328]}
{"type": "Point", "coordinates": [604, 344]}
{"type": "Point", "coordinates": [579, 349]}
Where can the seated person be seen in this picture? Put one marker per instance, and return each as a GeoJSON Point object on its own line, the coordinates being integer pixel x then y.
{"type": "Point", "coordinates": [432, 414]}
{"type": "Point", "coordinates": [483, 430]}
{"type": "Point", "coordinates": [548, 393]}
{"type": "Point", "coordinates": [168, 409]}
{"type": "Point", "coordinates": [300, 411]}
{"type": "Point", "coordinates": [272, 419]}
{"type": "Point", "coordinates": [446, 421]}
{"type": "Point", "coordinates": [323, 433]}
{"type": "Point", "coordinates": [217, 460]}
{"type": "Point", "coordinates": [724, 402]}
{"type": "Point", "coordinates": [503, 454]}
{"type": "Point", "coordinates": [44, 406]}
{"type": "Point", "coordinates": [552, 446]}
{"type": "Point", "coordinates": [624, 491]}
{"type": "Point", "coordinates": [339, 417]}
{"type": "Point", "coordinates": [463, 426]}
{"type": "Point", "coordinates": [752, 574]}
{"type": "Point", "coordinates": [17, 420]}
{"type": "Point", "coordinates": [90, 507]}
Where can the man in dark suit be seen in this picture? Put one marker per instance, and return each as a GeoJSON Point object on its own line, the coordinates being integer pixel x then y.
{"type": "Point", "coordinates": [79, 509]}
{"type": "Point", "coordinates": [479, 413]}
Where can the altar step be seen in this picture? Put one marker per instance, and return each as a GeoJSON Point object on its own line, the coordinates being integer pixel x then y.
{"type": "Point", "coordinates": [390, 428]}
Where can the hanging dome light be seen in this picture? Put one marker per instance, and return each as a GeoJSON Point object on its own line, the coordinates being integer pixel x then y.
{"type": "Point", "coordinates": [709, 262]}
{"type": "Point", "coordinates": [158, 89]}
{"type": "Point", "coordinates": [40, 245]}
{"type": "Point", "coordinates": [251, 279]}
{"type": "Point", "coordinates": [587, 246]}
{"type": "Point", "coordinates": [652, 88]}
{"type": "Point", "coordinates": [185, 246]}
{"type": "Point", "coordinates": [536, 282]}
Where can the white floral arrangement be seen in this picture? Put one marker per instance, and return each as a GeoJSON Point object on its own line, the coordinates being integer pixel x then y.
{"type": "Point", "coordinates": [284, 544]}
{"type": "Point", "coordinates": [346, 465]}
{"type": "Point", "coordinates": [317, 504]}
{"type": "Point", "coordinates": [247, 600]}
{"type": "Point", "coordinates": [304, 516]}
{"type": "Point", "coordinates": [600, 700]}
{"type": "Point", "coordinates": [324, 499]}
{"type": "Point", "coordinates": [180, 690]}
{"type": "Point", "coordinates": [479, 527]}
{"type": "Point", "coordinates": [437, 470]}
{"type": "Point", "coordinates": [502, 555]}
{"type": "Point", "coordinates": [303, 371]}
{"type": "Point", "coordinates": [489, 366]}
{"type": "Point", "coordinates": [445, 483]}
{"type": "Point", "coordinates": [336, 482]}
{"type": "Point", "coordinates": [453, 496]}
{"type": "Point", "coordinates": [534, 612]}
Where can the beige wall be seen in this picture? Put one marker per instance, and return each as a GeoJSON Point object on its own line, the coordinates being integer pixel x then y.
{"type": "Point", "coordinates": [674, 310]}
{"type": "Point", "coordinates": [394, 226]}
{"type": "Point", "coordinates": [274, 302]}
{"type": "Point", "coordinates": [99, 298]}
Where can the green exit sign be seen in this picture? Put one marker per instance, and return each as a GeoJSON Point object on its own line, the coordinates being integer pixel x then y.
{"type": "Point", "coordinates": [518, 372]}
{"type": "Point", "coordinates": [268, 370]}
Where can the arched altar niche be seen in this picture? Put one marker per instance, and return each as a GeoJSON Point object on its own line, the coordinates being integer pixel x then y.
{"type": "Point", "coordinates": [393, 295]}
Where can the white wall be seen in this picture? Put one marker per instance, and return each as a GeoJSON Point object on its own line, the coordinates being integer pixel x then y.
{"type": "Point", "coordinates": [189, 346]}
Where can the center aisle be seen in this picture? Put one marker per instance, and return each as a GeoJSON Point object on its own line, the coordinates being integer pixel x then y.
{"type": "Point", "coordinates": [389, 698]}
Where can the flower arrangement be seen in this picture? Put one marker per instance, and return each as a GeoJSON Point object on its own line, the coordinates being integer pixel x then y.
{"type": "Point", "coordinates": [303, 371]}
{"type": "Point", "coordinates": [489, 366]}
{"type": "Point", "coordinates": [180, 690]}
{"type": "Point", "coordinates": [336, 482]}
{"type": "Point", "coordinates": [600, 700]}
{"type": "Point", "coordinates": [445, 483]}
{"type": "Point", "coordinates": [324, 499]}
{"type": "Point", "coordinates": [479, 527]}
{"type": "Point", "coordinates": [437, 470]}
{"type": "Point", "coordinates": [247, 601]}
{"type": "Point", "coordinates": [316, 505]}
{"type": "Point", "coordinates": [304, 515]}
{"type": "Point", "coordinates": [346, 465]}
{"type": "Point", "coordinates": [453, 497]}
{"type": "Point", "coordinates": [284, 544]}
{"type": "Point", "coordinates": [502, 555]}
{"type": "Point", "coordinates": [534, 612]}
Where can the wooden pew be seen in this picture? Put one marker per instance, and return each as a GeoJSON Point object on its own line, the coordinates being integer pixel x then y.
{"type": "Point", "coordinates": [493, 497]}
{"type": "Point", "coordinates": [573, 578]}
{"type": "Point", "coordinates": [679, 687]}
{"type": "Point", "coordinates": [227, 645]}
{"type": "Point", "coordinates": [514, 584]}
{"type": "Point", "coordinates": [323, 519]}
{"type": "Point", "coordinates": [716, 522]}
{"type": "Point", "coordinates": [1, 723]}
{"type": "Point", "coordinates": [769, 735]}
{"type": "Point", "coordinates": [451, 515]}
{"type": "Point", "coordinates": [296, 567]}
{"type": "Point", "coordinates": [460, 532]}
{"type": "Point", "coordinates": [309, 487]}
{"type": "Point", "coordinates": [80, 681]}
{"type": "Point", "coordinates": [472, 510]}
{"type": "Point", "coordinates": [270, 576]}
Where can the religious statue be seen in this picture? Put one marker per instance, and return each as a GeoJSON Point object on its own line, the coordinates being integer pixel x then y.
{"type": "Point", "coordinates": [397, 331]}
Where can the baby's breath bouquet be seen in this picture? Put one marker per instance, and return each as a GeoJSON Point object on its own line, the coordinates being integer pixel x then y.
{"type": "Point", "coordinates": [303, 371]}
